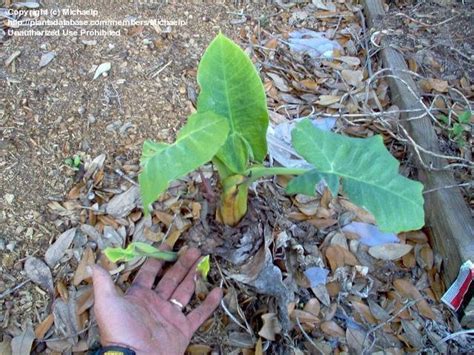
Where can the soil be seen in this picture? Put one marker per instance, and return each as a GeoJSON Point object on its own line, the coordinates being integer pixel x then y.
{"type": "Point", "coordinates": [52, 113]}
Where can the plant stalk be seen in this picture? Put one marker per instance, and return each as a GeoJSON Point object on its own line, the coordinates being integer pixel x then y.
{"type": "Point", "coordinates": [256, 173]}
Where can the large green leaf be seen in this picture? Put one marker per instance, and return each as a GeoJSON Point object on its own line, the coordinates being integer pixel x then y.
{"type": "Point", "coordinates": [231, 87]}
{"type": "Point", "coordinates": [306, 183]}
{"type": "Point", "coordinates": [197, 143]}
{"type": "Point", "coordinates": [369, 175]}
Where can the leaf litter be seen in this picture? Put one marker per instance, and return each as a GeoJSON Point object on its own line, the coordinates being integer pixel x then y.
{"type": "Point", "coordinates": [302, 267]}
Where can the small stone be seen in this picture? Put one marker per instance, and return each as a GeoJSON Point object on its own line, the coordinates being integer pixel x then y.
{"type": "Point", "coordinates": [91, 118]}
{"type": "Point", "coordinates": [2, 244]}
{"type": "Point", "coordinates": [9, 198]}
{"type": "Point", "coordinates": [81, 110]}
{"type": "Point", "coordinates": [11, 246]}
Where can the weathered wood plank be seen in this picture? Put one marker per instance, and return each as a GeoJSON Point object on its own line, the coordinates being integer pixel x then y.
{"type": "Point", "coordinates": [447, 214]}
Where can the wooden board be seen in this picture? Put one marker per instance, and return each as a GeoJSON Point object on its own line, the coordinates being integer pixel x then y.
{"type": "Point", "coordinates": [447, 214]}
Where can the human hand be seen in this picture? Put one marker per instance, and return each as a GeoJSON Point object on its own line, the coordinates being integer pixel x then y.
{"type": "Point", "coordinates": [147, 320]}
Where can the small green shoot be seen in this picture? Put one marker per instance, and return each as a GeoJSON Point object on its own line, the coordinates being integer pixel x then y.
{"type": "Point", "coordinates": [204, 266]}
{"type": "Point", "coordinates": [138, 249]}
{"type": "Point", "coordinates": [73, 162]}
{"type": "Point", "coordinates": [457, 130]}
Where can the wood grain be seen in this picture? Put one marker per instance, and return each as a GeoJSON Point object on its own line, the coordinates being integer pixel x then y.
{"type": "Point", "coordinates": [447, 214]}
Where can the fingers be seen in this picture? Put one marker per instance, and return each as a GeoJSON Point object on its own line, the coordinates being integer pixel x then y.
{"type": "Point", "coordinates": [147, 273]}
{"type": "Point", "coordinates": [197, 317]}
{"type": "Point", "coordinates": [104, 287]}
{"type": "Point", "coordinates": [185, 290]}
{"type": "Point", "coordinates": [177, 273]}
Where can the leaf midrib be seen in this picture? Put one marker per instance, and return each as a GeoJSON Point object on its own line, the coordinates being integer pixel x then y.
{"type": "Point", "coordinates": [342, 175]}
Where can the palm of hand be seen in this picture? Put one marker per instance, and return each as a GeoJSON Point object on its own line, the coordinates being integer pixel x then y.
{"type": "Point", "coordinates": [144, 319]}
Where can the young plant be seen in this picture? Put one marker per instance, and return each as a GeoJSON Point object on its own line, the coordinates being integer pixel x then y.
{"type": "Point", "coordinates": [230, 128]}
{"type": "Point", "coordinates": [457, 129]}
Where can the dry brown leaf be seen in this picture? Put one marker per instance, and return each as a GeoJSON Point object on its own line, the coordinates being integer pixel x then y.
{"type": "Point", "coordinates": [349, 258]}
{"type": "Point", "coordinates": [409, 260]}
{"type": "Point", "coordinates": [62, 290]}
{"type": "Point", "coordinates": [304, 317]}
{"type": "Point", "coordinates": [364, 311]}
{"type": "Point", "coordinates": [327, 100]}
{"type": "Point", "coordinates": [355, 339]}
{"type": "Point", "coordinates": [21, 344]}
{"type": "Point", "coordinates": [397, 305]}
{"type": "Point", "coordinates": [108, 221]}
{"type": "Point", "coordinates": [164, 217]}
{"type": "Point", "coordinates": [377, 311]}
{"type": "Point", "coordinates": [335, 257]}
{"type": "Point", "coordinates": [415, 236]}
{"type": "Point", "coordinates": [196, 210]}
{"type": "Point", "coordinates": [390, 251]}
{"type": "Point", "coordinates": [333, 288]}
{"type": "Point", "coordinates": [279, 82]}
{"type": "Point", "coordinates": [65, 318]}
{"type": "Point", "coordinates": [88, 259]}
{"type": "Point", "coordinates": [57, 250]}
{"type": "Point", "coordinates": [412, 334]}
{"type": "Point", "coordinates": [439, 85]}
{"type": "Point", "coordinates": [84, 299]}
{"type": "Point", "coordinates": [361, 214]}
{"type": "Point", "coordinates": [39, 273]}
{"type": "Point", "coordinates": [312, 306]}
{"type": "Point", "coordinates": [425, 257]}
{"type": "Point", "coordinates": [408, 290]}
{"type": "Point", "coordinates": [322, 223]}
{"type": "Point", "coordinates": [332, 329]}
{"type": "Point", "coordinates": [43, 327]}
{"type": "Point", "coordinates": [198, 349]}
{"type": "Point", "coordinates": [75, 192]}
{"type": "Point", "coordinates": [353, 61]}
{"type": "Point", "coordinates": [272, 43]}
{"type": "Point", "coordinates": [122, 204]}
{"type": "Point", "coordinates": [309, 84]}
{"type": "Point", "coordinates": [271, 326]}
{"type": "Point", "coordinates": [353, 77]}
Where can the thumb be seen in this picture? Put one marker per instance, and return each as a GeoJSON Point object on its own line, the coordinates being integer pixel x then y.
{"type": "Point", "coordinates": [104, 287]}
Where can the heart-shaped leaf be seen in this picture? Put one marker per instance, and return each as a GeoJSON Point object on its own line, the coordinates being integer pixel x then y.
{"type": "Point", "coordinates": [162, 163]}
{"type": "Point", "coordinates": [231, 87]}
{"type": "Point", "coordinates": [369, 175]}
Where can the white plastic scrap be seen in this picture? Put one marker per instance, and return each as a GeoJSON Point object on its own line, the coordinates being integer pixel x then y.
{"type": "Point", "coordinates": [279, 142]}
{"type": "Point", "coordinates": [369, 234]}
{"type": "Point", "coordinates": [313, 43]}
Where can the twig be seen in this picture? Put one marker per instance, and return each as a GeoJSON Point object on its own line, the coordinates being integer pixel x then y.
{"type": "Point", "coordinates": [71, 335]}
{"type": "Point", "coordinates": [124, 176]}
{"type": "Point", "coordinates": [152, 76]}
{"type": "Point", "coordinates": [316, 346]}
{"type": "Point", "coordinates": [381, 325]}
{"type": "Point", "coordinates": [448, 187]}
{"type": "Point", "coordinates": [454, 335]}
{"type": "Point", "coordinates": [365, 43]}
{"type": "Point", "coordinates": [426, 24]}
{"type": "Point", "coordinates": [11, 290]}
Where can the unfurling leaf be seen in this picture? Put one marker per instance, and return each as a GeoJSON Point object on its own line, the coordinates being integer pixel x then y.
{"type": "Point", "coordinates": [197, 143]}
{"type": "Point", "coordinates": [369, 175]}
{"type": "Point", "coordinates": [138, 249]}
{"type": "Point", "coordinates": [231, 87]}
{"type": "Point", "coordinates": [204, 266]}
